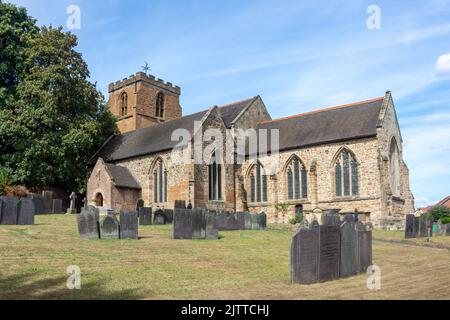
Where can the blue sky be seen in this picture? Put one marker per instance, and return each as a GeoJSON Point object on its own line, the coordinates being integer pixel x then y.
{"type": "Point", "coordinates": [298, 55]}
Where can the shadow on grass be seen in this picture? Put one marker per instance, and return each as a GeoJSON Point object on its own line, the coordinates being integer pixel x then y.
{"type": "Point", "coordinates": [27, 287]}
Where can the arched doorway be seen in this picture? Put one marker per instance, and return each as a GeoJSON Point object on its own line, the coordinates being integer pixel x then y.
{"type": "Point", "coordinates": [99, 199]}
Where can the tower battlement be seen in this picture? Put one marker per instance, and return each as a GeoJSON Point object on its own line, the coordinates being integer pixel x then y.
{"type": "Point", "coordinates": [145, 78]}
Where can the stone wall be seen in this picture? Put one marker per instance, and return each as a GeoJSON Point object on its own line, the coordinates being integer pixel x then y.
{"type": "Point", "coordinates": [99, 182]}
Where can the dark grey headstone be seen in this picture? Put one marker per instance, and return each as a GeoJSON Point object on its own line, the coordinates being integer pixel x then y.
{"type": "Point", "coordinates": [38, 201]}
{"type": "Point", "coordinates": [211, 231]}
{"type": "Point", "coordinates": [88, 225]}
{"type": "Point", "coordinates": [263, 221]}
{"type": "Point", "coordinates": [349, 250]}
{"type": "Point", "coordinates": [240, 217]}
{"type": "Point", "coordinates": [145, 216]}
{"type": "Point", "coordinates": [26, 210]}
{"type": "Point", "coordinates": [425, 226]}
{"type": "Point", "coordinates": [139, 204]}
{"type": "Point", "coordinates": [9, 210]}
{"type": "Point", "coordinates": [48, 201]}
{"type": "Point", "coordinates": [159, 218]}
{"type": "Point", "coordinates": [248, 221]}
{"type": "Point", "coordinates": [1, 209]}
{"type": "Point", "coordinates": [331, 218]}
{"type": "Point", "coordinates": [231, 221]}
{"type": "Point", "coordinates": [364, 247]}
{"type": "Point", "coordinates": [409, 227]}
{"type": "Point", "coordinates": [109, 227]}
{"type": "Point", "coordinates": [57, 206]}
{"type": "Point", "coordinates": [182, 224]}
{"type": "Point", "coordinates": [180, 204]}
{"type": "Point", "coordinates": [129, 225]}
{"type": "Point", "coordinates": [350, 218]}
{"type": "Point", "coordinates": [417, 226]}
{"type": "Point", "coordinates": [198, 224]}
{"type": "Point", "coordinates": [189, 206]}
{"type": "Point", "coordinates": [329, 252]}
{"type": "Point", "coordinates": [221, 220]}
{"type": "Point", "coordinates": [305, 255]}
{"type": "Point", "coordinates": [169, 216]}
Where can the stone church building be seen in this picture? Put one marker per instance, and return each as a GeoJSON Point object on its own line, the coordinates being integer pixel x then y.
{"type": "Point", "coordinates": [348, 157]}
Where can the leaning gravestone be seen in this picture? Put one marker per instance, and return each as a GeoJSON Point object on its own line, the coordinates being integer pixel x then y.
{"type": "Point", "coordinates": [364, 246]}
{"type": "Point", "coordinates": [38, 201]}
{"type": "Point", "coordinates": [26, 211]}
{"type": "Point", "coordinates": [57, 206]}
{"type": "Point", "coordinates": [329, 252]}
{"type": "Point", "coordinates": [349, 250]}
{"type": "Point", "coordinates": [9, 210]}
{"type": "Point", "coordinates": [145, 216]}
{"type": "Point", "coordinates": [48, 201]}
{"type": "Point", "coordinates": [305, 254]}
{"type": "Point", "coordinates": [182, 224]}
{"type": "Point", "coordinates": [109, 227]}
{"type": "Point", "coordinates": [88, 225]}
{"type": "Point", "coordinates": [129, 225]}
{"type": "Point", "coordinates": [409, 227]}
{"type": "Point", "coordinates": [211, 231]}
{"type": "Point", "coordinates": [198, 224]}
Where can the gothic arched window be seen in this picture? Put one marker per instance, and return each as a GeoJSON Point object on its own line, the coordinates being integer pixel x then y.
{"type": "Point", "coordinates": [160, 105]}
{"type": "Point", "coordinates": [215, 179]}
{"type": "Point", "coordinates": [346, 175]}
{"type": "Point", "coordinates": [297, 180]}
{"type": "Point", "coordinates": [123, 104]}
{"type": "Point", "coordinates": [159, 182]}
{"type": "Point", "coordinates": [394, 168]}
{"type": "Point", "coordinates": [258, 184]}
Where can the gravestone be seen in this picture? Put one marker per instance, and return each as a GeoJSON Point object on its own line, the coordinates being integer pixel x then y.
{"type": "Point", "coordinates": [240, 220]}
{"type": "Point", "coordinates": [211, 231]}
{"type": "Point", "coordinates": [417, 226]}
{"type": "Point", "coordinates": [247, 221]}
{"type": "Point", "coordinates": [168, 213]}
{"type": "Point", "coordinates": [221, 220]}
{"type": "Point", "coordinates": [180, 204]}
{"type": "Point", "coordinates": [198, 224]}
{"type": "Point", "coordinates": [9, 210]}
{"type": "Point", "coordinates": [72, 209]}
{"type": "Point", "coordinates": [425, 226]}
{"type": "Point", "coordinates": [159, 218]}
{"type": "Point", "coordinates": [182, 224]}
{"type": "Point", "coordinates": [350, 218]}
{"type": "Point", "coordinates": [109, 227]}
{"type": "Point", "coordinates": [26, 211]}
{"type": "Point", "coordinates": [364, 247]}
{"type": "Point", "coordinates": [88, 225]}
{"type": "Point", "coordinates": [48, 201]}
{"type": "Point", "coordinates": [409, 227]}
{"type": "Point", "coordinates": [305, 254]}
{"type": "Point", "coordinates": [331, 218]}
{"type": "Point", "coordinates": [329, 252]}
{"type": "Point", "coordinates": [189, 206]}
{"type": "Point", "coordinates": [129, 225]}
{"type": "Point", "coordinates": [439, 229]}
{"type": "Point", "coordinates": [139, 204]}
{"type": "Point", "coordinates": [145, 216]}
{"type": "Point", "coordinates": [38, 202]}
{"type": "Point", "coordinates": [447, 229]}
{"type": "Point", "coordinates": [57, 206]}
{"type": "Point", "coordinates": [263, 221]}
{"type": "Point", "coordinates": [349, 250]}
{"type": "Point", "coordinates": [1, 209]}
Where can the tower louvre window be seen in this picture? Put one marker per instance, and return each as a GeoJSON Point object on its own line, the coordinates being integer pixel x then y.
{"type": "Point", "coordinates": [160, 105]}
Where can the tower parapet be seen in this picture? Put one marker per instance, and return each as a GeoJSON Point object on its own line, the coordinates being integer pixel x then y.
{"type": "Point", "coordinates": [146, 78]}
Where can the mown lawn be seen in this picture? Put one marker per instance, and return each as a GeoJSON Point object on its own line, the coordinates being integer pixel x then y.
{"type": "Point", "coordinates": [241, 265]}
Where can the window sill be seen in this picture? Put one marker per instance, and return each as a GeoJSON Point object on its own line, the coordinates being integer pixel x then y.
{"type": "Point", "coordinates": [258, 204]}
{"type": "Point", "coordinates": [297, 201]}
{"type": "Point", "coordinates": [346, 198]}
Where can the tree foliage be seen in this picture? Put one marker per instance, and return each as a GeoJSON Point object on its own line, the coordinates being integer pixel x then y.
{"type": "Point", "coordinates": [58, 118]}
{"type": "Point", "coordinates": [442, 213]}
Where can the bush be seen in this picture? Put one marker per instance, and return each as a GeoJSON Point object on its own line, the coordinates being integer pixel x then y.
{"type": "Point", "coordinates": [4, 180]}
{"type": "Point", "coordinates": [297, 219]}
{"type": "Point", "coordinates": [16, 191]}
{"type": "Point", "coordinates": [440, 213]}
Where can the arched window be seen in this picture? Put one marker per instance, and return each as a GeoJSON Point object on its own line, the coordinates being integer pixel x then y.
{"type": "Point", "coordinates": [394, 168]}
{"type": "Point", "coordinates": [160, 105]}
{"type": "Point", "coordinates": [123, 104]}
{"type": "Point", "coordinates": [346, 175]}
{"type": "Point", "coordinates": [215, 179]}
{"type": "Point", "coordinates": [159, 182]}
{"type": "Point", "coordinates": [297, 180]}
{"type": "Point", "coordinates": [258, 184]}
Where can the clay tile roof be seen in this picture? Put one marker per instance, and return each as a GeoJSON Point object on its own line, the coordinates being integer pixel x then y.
{"type": "Point", "coordinates": [122, 177]}
{"type": "Point", "coordinates": [445, 202]}
{"type": "Point", "coordinates": [345, 122]}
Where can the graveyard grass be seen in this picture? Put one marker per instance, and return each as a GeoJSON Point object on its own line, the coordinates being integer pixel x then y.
{"type": "Point", "coordinates": [240, 265]}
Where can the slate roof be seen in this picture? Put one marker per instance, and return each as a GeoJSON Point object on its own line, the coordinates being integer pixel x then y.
{"type": "Point", "coordinates": [157, 138]}
{"type": "Point", "coordinates": [122, 177]}
{"type": "Point", "coordinates": [346, 122]}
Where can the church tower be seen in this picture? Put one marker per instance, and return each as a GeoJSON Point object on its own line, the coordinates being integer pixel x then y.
{"type": "Point", "coordinates": [142, 100]}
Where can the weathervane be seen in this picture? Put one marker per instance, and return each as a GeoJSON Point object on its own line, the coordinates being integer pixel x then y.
{"type": "Point", "coordinates": [146, 67]}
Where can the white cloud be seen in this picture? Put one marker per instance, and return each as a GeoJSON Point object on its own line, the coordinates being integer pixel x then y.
{"type": "Point", "coordinates": [443, 65]}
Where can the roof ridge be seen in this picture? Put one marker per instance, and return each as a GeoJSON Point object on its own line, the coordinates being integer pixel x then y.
{"type": "Point", "coordinates": [324, 110]}
{"type": "Point", "coordinates": [236, 102]}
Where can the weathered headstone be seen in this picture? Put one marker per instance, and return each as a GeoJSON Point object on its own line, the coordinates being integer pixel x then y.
{"type": "Point", "coordinates": [57, 206]}
{"type": "Point", "coordinates": [248, 221]}
{"type": "Point", "coordinates": [211, 231]}
{"type": "Point", "coordinates": [240, 220]}
{"type": "Point", "coordinates": [409, 227]}
{"type": "Point", "coordinates": [48, 201]}
{"type": "Point", "coordinates": [425, 226]}
{"type": "Point", "coordinates": [329, 252]}
{"type": "Point", "coordinates": [364, 246]}
{"type": "Point", "coordinates": [331, 218]}
{"type": "Point", "coordinates": [1, 209]}
{"type": "Point", "coordinates": [189, 206]}
{"type": "Point", "coordinates": [263, 221]}
{"type": "Point", "coordinates": [417, 226]}
{"type": "Point", "coordinates": [350, 218]}
{"type": "Point", "coordinates": [198, 224]}
{"type": "Point", "coordinates": [109, 227]}
{"type": "Point", "coordinates": [169, 216]}
{"type": "Point", "coordinates": [439, 229]}
{"type": "Point", "coordinates": [305, 254]}
{"type": "Point", "coordinates": [38, 202]}
{"type": "Point", "coordinates": [26, 211]}
{"type": "Point", "coordinates": [180, 204]}
{"type": "Point", "coordinates": [159, 218]}
{"type": "Point", "coordinates": [72, 209]}
{"type": "Point", "coordinates": [145, 216]}
{"type": "Point", "coordinates": [139, 204]}
{"type": "Point", "coordinates": [129, 225]}
{"type": "Point", "coordinates": [88, 225]}
{"type": "Point", "coordinates": [9, 210]}
{"type": "Point", "coordinates": [349, 250]}
{"type": "Point", "coordinates": [182, 224]}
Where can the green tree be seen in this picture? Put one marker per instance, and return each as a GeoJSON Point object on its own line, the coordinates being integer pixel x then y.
{"type": "Point", "coordinates": [441, 213]}
{"type": "Point", "coordinates": [16, 30]}
{"type": "Point", "coordinates": [59, 118]}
